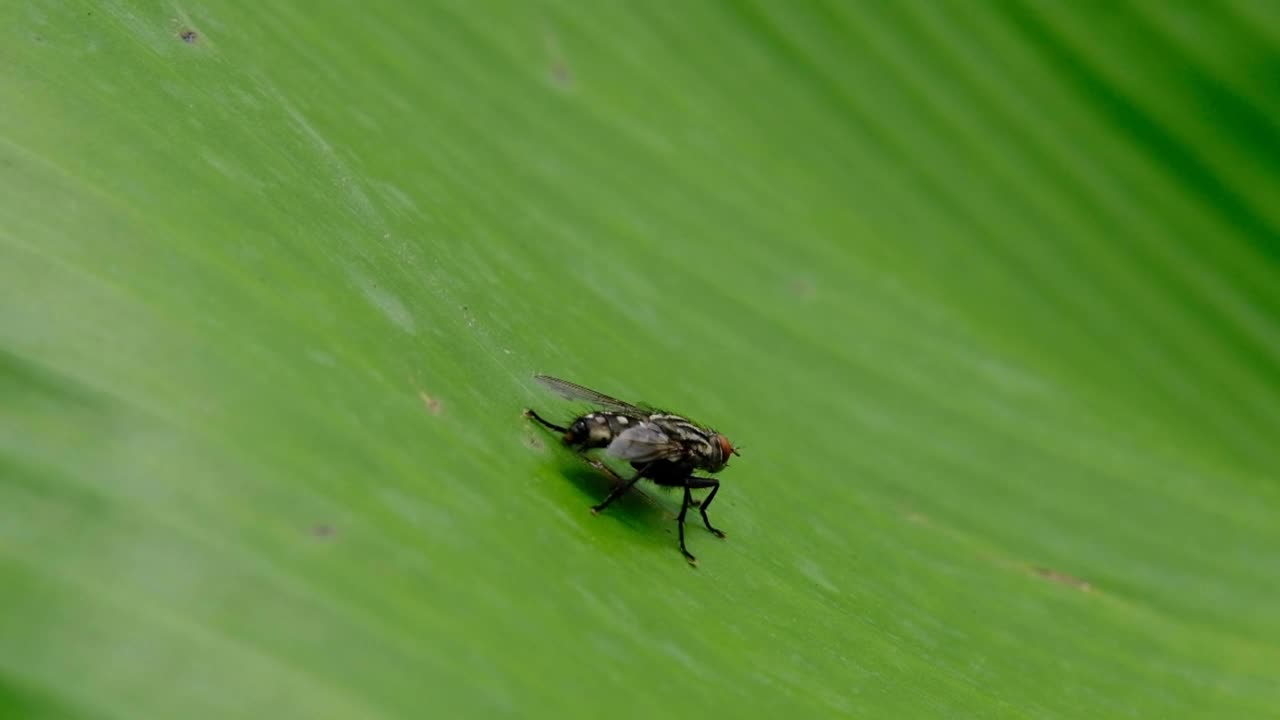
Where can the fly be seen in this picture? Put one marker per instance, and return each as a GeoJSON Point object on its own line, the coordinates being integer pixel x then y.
{"type": "Point", "coordinates": [664, 448]}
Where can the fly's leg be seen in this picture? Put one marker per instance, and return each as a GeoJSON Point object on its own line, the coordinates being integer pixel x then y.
{"type": "Point", "coordinates": [538, 418]}
{"type": "Point", "coordinates": [615, 477]}
{"type": "Point", "coordinates": [621, 487]}
{"type": "Point", "coordinates": [684, 508]}
{"type": "Point", "coordinates": [697, 482]}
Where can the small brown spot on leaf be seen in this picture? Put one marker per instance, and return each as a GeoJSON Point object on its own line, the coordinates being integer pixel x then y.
{"type": "Point", "coordinates": [432, 404]}
{"type": "Point", "coordinates": [559, 70]}
{"type": "Point", "coordinates": [188, 35]}
{"type": "Point", "coordinates": [804, 288]}
{"type": "Point", "coordinates": [561, 75]}
{"type": "Point", "coordinates": [533, 442]}
{"type": "Point", "coordinates": [1062, 578]}
{"type": "Point", "coordinates": [914, 517]}
{"type": "Point", "coordinates": [323, 530]}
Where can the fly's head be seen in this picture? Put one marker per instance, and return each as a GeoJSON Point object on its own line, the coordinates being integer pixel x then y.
{"type": "Point", "coordinates": [720, 450]}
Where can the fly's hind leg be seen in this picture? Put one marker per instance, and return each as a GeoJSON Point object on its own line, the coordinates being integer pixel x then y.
{"type": "Point", "coordinates": [545, 423]}
{"type": "Point", "coordinates": [620, 485]}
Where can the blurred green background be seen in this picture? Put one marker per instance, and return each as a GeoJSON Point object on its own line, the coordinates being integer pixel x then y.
{"type": "Point", "coordinates": [988, 293]}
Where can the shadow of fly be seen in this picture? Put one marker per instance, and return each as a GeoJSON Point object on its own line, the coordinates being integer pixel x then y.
{"type": "Point", "coordinates": [663, 448]}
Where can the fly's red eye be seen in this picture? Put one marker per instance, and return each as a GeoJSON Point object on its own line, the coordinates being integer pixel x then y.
{"type": "Point", "coordinates": [726, 447]}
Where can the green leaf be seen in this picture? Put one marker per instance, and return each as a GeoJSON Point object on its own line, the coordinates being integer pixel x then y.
{"type": "Point", "coordinates": [987, 293]}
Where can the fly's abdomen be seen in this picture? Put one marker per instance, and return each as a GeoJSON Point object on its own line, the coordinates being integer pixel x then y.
{"type": "Point", "coordinates": [596, 430]}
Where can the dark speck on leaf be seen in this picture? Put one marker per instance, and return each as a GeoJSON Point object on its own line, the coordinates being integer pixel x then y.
{"type": "Point", "coordinates": [188, 35]}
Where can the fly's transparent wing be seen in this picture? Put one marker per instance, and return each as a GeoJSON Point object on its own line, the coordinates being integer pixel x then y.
{"type": "Point", "coordinates": [642, 443]}
{"type": "Point", "coordinates": [574, 391]}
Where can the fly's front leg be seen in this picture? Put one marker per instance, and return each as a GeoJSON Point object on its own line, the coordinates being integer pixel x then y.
{"type": "Point", "coordinates": [620, 486]}
{"type": "Point", "coordinates": [698, 482]}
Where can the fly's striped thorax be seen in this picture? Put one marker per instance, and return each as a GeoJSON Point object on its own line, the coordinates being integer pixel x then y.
{"type": "Point", "coordinates": [680, 426]}
{"type": "Point", "coordinates": [686, 432]}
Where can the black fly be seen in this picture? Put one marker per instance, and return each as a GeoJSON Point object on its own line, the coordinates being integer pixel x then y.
{"type": "Point", "coordinates": [663, 448]}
